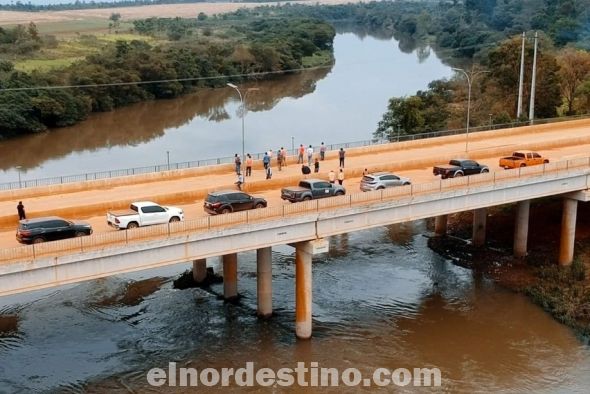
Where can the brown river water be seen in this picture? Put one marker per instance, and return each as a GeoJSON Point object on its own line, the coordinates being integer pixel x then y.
{"type": "Point", "coordinates": [381, 298]}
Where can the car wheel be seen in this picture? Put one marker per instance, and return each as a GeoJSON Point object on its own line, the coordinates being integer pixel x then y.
{"type": "Point", "coordinates": [381, 188]}
{"type": "Point", "coordinates": [484, 170]}
{"type": "Point", "coordinates": [225, 210]}
{"type": "Point", "coordinates": [458, 174]}
{"type": "Point", "coordinates": [174, 219]}
{"type": "Point", "coordinates": [132, 225]}
{"type": "Point", "coordinates": [443, 177]}
{"type": "Point", "coordinates": [545, 161]}
{"type": "Point", "coordinates": [406, 184]}
{"type": "Point", "coordinates": [306, 198]}
{"type": "Point", "coordinates": [80, 234]}
{"type": "Point", "coordinates": [523, 165]}
{"type": "Point", "coordinates": [259, 205]}
{"type": "Point", "coordinates": [38, 240]}
{"type": "Point", "coordinates": [339, 193]}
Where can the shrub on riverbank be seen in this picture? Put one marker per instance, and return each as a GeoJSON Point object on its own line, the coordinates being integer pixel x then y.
{"type": "Point", "coordinates": [563, 292]}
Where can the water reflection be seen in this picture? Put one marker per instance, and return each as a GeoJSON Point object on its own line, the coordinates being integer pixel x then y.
{"type": "Point", "coordinates": [146, 121]}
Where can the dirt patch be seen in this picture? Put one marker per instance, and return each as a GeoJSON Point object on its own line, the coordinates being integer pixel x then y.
{"type": "Point", "coordinates": [142, 12]}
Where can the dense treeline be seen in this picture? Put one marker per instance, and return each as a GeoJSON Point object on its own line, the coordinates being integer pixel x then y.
{"type": "Point", "coordinates": [129, 72]}
{"type": "Point", "coordinates": [483, 37]}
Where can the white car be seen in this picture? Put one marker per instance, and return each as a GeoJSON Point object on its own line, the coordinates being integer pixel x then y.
{"type": "Point", "coordinates": [144, 213]}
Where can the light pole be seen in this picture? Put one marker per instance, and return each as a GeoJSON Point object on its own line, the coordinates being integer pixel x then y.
{"type": "Point", "coordinates": [242, 113]}
{"type": "Point", "coordinates": [469, 81]}
{"type": "Point", "coordinates": [168, 159]}
{"type": "Point", "coordinates": [18, 168]}
{"type": "Point", "coordinates": [293, 145]}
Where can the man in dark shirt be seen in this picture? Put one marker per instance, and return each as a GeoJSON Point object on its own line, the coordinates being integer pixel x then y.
{"type": "Point", "coordinates": [21, 211]}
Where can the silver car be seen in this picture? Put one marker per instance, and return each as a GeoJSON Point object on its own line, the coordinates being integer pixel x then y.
{"type": "Point", "coordinates": [381, 180]}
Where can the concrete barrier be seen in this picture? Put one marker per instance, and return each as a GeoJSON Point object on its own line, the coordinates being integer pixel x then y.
{"type": "Point", "coordinates": [19, 194]}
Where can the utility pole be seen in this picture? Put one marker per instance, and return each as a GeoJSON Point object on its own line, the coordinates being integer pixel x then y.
{"type": "Point", "coordinates": [520, 83]}
{"type": "Point", "coordinates": [532, 102]}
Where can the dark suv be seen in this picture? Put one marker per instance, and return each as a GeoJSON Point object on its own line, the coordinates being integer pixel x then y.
{"type": "Point", "coordinates": [231, 201]}
{"type": "Point", "coordinates": [50, 229]}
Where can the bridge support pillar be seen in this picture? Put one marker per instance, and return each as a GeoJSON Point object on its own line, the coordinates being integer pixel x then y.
{"type": "Point", "coordinates": [440, 225]}
{"type": "Point", "coordinates": [568, 231]}
{"type": "Point", "coordinates": [230, 276]}
{"type": "Point", "coordinates": [521, 228]}
{"type": "Point", "coordinates": [304, 252]}
{"type": "Point", "coordinates": [264, 281]}
{"type": "Point", "coordinates": [479, 226]}
{"type": "Point", "coordinates": [199, 270]}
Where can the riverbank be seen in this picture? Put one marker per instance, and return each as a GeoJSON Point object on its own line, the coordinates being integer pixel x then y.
{"type": "Point", "coordinates": [564, 292]}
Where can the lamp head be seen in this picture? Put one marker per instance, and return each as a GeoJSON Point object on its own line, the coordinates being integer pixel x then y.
{"type": "Point", "coordinates": [231, 85]}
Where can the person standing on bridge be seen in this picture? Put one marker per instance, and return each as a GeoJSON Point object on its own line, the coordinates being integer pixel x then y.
{"type": "Point", "coordinates": [309, 156]}
{"type": "Point", "coordinates": [238, 163]}
{"type": "Point", "coordinates": [341, 154]}
{"type": "Point", "coordinates": [332, 176]}
{"type": "Point", "coordinates": [341, 177]}
{"type": "Point", "coordinates": [249, 162]}
{"type": "Point", "coordinates": [316, 165]}
{"type": "Point", "coordinates": [266, 160]}
{"type": "Point", "coordinates": [322, 151]}
{"type": "Point", "coordinates": [300, 154]}
{"type": "Point", "coordinates": [21, 211]}
{"type": "Point", "coordinates": [240, 181]}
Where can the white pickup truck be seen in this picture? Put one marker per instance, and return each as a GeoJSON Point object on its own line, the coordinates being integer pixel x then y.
{"type": "Point", "coordinates": [144, 213]}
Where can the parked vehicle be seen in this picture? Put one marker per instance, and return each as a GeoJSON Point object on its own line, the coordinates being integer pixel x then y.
{"type": "Point", "coordinates": [522, 158]}
{"type": "Point", "coordinates": [311, 189]}
{"type": "Point", "coordinates": [459, 167]}
{"type": "Point", "coordinates": [381, 180]}
{"type": "Point", "coordinates": [50, 228]}
{"type": "Point", "coordinates": [144, 213]}
{"type": "Point", "coordinates": [231, 201]}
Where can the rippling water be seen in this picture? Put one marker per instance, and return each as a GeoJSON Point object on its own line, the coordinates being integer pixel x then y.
{"type": "Point", "coordinates": [381, 298]}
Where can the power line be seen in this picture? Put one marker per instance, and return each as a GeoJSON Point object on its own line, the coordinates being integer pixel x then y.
{"type": "Point", "coordinates": [100, 85]}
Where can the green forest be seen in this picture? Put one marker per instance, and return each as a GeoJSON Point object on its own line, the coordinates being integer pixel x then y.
{"type": "Point", "coordinates": [159, 58]}
{"type": "Point", "coordinates": [183, 54]}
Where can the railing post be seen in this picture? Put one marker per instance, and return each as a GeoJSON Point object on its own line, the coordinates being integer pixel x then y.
{"type": "Point", "coordinates": [168, 229]}
{"type": "Point", "coordinates": [209, 222]}
{"type": "Point", "coordinates": [81, 245]}
{"type": "Point", "coordinates": [126, 236]}
{"type": "Point", "coordinates": [34, 254]}
{"type": "Point", "coordinates": [381, 194]}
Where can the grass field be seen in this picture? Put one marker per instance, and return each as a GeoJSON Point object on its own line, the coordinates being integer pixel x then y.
{"type": "Point", "coordinates": [72, 49]}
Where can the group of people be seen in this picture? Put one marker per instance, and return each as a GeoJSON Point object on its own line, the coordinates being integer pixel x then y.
{"type": "Point", "coordinates": [281, 157]}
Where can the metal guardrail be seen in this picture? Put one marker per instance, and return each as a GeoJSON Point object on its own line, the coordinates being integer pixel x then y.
{"type": "Point", "coordinates": [24, 183]}
{"type": "Point", "coordinates": [398, 195]}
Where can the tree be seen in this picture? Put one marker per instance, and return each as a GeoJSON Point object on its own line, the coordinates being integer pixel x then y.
{"type": "Point", "coordinates": [574, 69]}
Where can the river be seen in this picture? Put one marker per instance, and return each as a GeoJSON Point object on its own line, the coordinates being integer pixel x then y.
{"type": "Point", "coordinates": [342, 103]}
{"type": "Point", "coordinates": [382, 297]}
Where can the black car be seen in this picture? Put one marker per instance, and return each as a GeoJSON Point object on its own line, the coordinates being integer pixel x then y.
{"type": "Point", "coordinates": [50, 229]}
{"type": "Point", "coordinates": [459, 167]}
{"type": "Point", "coordinates": [231, 201]}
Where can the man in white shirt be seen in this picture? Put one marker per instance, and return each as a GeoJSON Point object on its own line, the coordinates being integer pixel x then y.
{"type": "Point", "coordinates": [309, 156]}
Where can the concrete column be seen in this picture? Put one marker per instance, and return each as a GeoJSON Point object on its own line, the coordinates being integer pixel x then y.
{"type": "Point", "coordinates": [264, 281]}
{"type": "Point", "coordinates": [521, 228]}
{"type": "Point", "coordinates": [200, 270]}
{"type": "Point", "coordinates": [230, 276]}
{"type": "Point", "coordinates": [568, 231]}
{"type": "Point", "coordinates": [440, 225]}
{"type": "Point", "coordinates": [303, 292]}
{"type": "Point", "coordinates": [479, 226]}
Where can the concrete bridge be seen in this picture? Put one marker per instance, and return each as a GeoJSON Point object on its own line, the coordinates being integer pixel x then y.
{"type": "Point", "coordinates": [305, 226]}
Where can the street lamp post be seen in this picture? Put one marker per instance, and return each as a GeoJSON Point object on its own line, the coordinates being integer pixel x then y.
{"type": "Point", "coordinates": [18, 168]}
{"type": "Point", "coordinates": [469, 81]}
{"type": "Point", "coordinates": [243, 114]}
{"type": "Point", "coordinates": [168, 159]}
{"type": "Point", "coordinates": [293, 145]}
